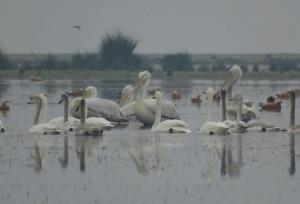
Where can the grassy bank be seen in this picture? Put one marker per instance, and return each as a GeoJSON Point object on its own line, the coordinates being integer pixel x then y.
{"type": "Point", "coordinates": [130, 75]}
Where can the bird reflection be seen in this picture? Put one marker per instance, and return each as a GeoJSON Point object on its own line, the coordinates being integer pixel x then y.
{"type": "Point", "coordinates": [64, 161]}
{"type": "Point", "coordinates": [232, 167]}
{"type": "Point", "coordinates": [84, 148]}
{"type": "Point", "coordinates": [292, 168]}
{"type": "Point", "coordinates": [226, 148]}
{"type": "Point", "coordinates": [40, 151]}
{"type": "Point", "coordinates": [139, 154]}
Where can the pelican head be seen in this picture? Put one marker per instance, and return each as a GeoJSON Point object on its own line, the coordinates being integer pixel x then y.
{"type": "Point", "coordinates": [144, 78]}
{"type": "Point", "coordinates": [158, 95]}
{"type": "Point", "coordinates": [90, 92]}
{"type": "Point", "coordinates": [233, 76]}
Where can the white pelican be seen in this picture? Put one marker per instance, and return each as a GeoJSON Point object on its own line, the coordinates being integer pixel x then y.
{"type": "Point", "coordinates": [248, 110]}
{"type": "Point", "coordinates": [209, 127]}
{"type": "Point", "coordinates": [40, 121]}
{"type": "Point", "coordinates": [128, 94]}
{"type": "Point", "coordinates": [167, 126]}
{"type": "Point", "coordinates": [145, 109]}
{"type": "Point", "coordinates": [238, 125]}
{"type": "Point", "coordinates": [91, 125]}
{"type": "Point", "coordinates": [98, 107]}
{"type": "Point", "coordinates": [233, 76]}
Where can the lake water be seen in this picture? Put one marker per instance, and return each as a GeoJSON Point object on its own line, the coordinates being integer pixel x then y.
{"type": "Point", "coordinates": [129, 164]}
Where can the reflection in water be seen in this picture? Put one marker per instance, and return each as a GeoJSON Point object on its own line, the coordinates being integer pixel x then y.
{"type": "Point", "coordinates": [84, 148]}
{"type": "Point", "coordinates": [292, 168]}
{"type": "Point", "coordinates": [40, 151]}
{"type": "Point", "coordinates": [64, 161]}
{"type": "Point", "coordinates": [138, 154]}
{"type": "Point", "coordinates": [229, 147]}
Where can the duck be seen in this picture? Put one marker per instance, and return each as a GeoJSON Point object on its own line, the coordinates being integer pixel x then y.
{"type": "Point", "coordinates": [196, 99]}
{"type": "Point", "coordinates": [271, 105]}
{"type": "Point", "coordinates": [176, 95]}
{"type": "Point", "coordinates": [4, 106]}
{"type": "Point", "coordinates": [167, 126]}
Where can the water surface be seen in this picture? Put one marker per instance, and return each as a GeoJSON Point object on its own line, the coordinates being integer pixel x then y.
{"type": "Point", "coordinates": [129, 164]}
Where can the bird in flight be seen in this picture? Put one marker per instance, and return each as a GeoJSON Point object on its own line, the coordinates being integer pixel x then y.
{"type": "Point", "coordinates": [76, 27]}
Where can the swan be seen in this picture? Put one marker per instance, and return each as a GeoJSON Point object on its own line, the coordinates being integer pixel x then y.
{"type": "Point", "coordinates": [65, 122]}
{"type": "Point", "coordinates": [92, 125]}
{"type": "Point", "coordinates": [209, 127]}
{"type": "Point", "coordinates": [167, 126]}
{"type": "Point", "coordinates": [145, 109]}
{"type": "Point", "coordinates": [98, 107]}
{"type": "Point", "coordinates": [40, 120]}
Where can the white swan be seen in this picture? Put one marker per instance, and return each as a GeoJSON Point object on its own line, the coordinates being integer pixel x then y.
{"type": "Point", "coordinates": [209, 127]}
{"type": "Point", "coordinates": [167, 126]}
{"type": "Point", "coordinates": [92, 125]}
{"type": "Point", "coordinates": [40, 121]}
{"type": "Point", "coordinates": [98, 107]}
{"type": "Point", "coordinates": [145, 109]}
{"type": "Point", "coordinates": [65, 122]}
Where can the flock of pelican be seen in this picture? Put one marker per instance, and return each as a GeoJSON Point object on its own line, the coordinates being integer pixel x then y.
{"type": "Point", "coordinates": [90, 115]}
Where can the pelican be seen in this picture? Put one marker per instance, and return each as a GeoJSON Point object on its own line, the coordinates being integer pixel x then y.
{"type": "Point", "coordinates": [233, 76]}
{"type": "Point", "coordinates": [128, 94]}
{"type": "Point", "coordinates": [209, 127]}
{"type": "Point", "coordinates": [145, 109]}
{"type": "Point", "coordinates": [167, 126]}
{"type": "Point", "coordinates": [97, 107]}
{"type": "Point", "coordinates": [248, 110]}
{"type": "Point", "coordinates": [91, 125]}
{"type": "Point", "coordinates": [238, 125]}
{"type": "Point", "coordinates": [40, 121]}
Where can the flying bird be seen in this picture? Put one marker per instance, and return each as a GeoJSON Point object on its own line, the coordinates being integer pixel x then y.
{"type": "Point", "coordinates": [76, 27]}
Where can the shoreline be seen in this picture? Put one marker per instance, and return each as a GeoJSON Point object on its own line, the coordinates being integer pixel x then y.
{"type": "Point", "coordinates": [131, 75]}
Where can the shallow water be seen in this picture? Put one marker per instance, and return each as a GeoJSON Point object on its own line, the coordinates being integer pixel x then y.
{"type": "Point", "coordinates": [130, 164]}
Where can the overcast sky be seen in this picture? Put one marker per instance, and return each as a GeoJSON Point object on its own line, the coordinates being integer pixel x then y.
{"type": "Point", "coordinates": [161, 26]}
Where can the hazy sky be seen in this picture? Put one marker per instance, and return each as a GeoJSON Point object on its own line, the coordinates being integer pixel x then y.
{"type": "Point", "coordinates": [162, 26]}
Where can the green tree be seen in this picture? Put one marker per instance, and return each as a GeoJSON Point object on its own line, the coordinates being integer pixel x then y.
{"type": "Point", "coordinates": [117, 52]}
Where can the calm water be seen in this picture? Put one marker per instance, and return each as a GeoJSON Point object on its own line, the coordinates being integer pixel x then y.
{"type": "Point", "coordinates": [131, 165]}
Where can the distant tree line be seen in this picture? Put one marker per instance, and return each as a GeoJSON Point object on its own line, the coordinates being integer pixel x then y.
{"type": "Point", "coordinates": [117, 52]}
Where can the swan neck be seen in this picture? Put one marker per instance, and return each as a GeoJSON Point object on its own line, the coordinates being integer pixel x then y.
{"type": "Point", "coordinates": [41, 113]}
{"type": "Point", "coordinates": [83, 111]}
{"type": "Point", "coordinates": [158, 113]}
{"type": "Point", "coordinates": [66, 108]}
{"type": "Point", "coordinates": [239, 110]}
{"type": "Point", "coordinates": [229, 90]}
{"type": "Point", "coordinates": [209, 107]}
